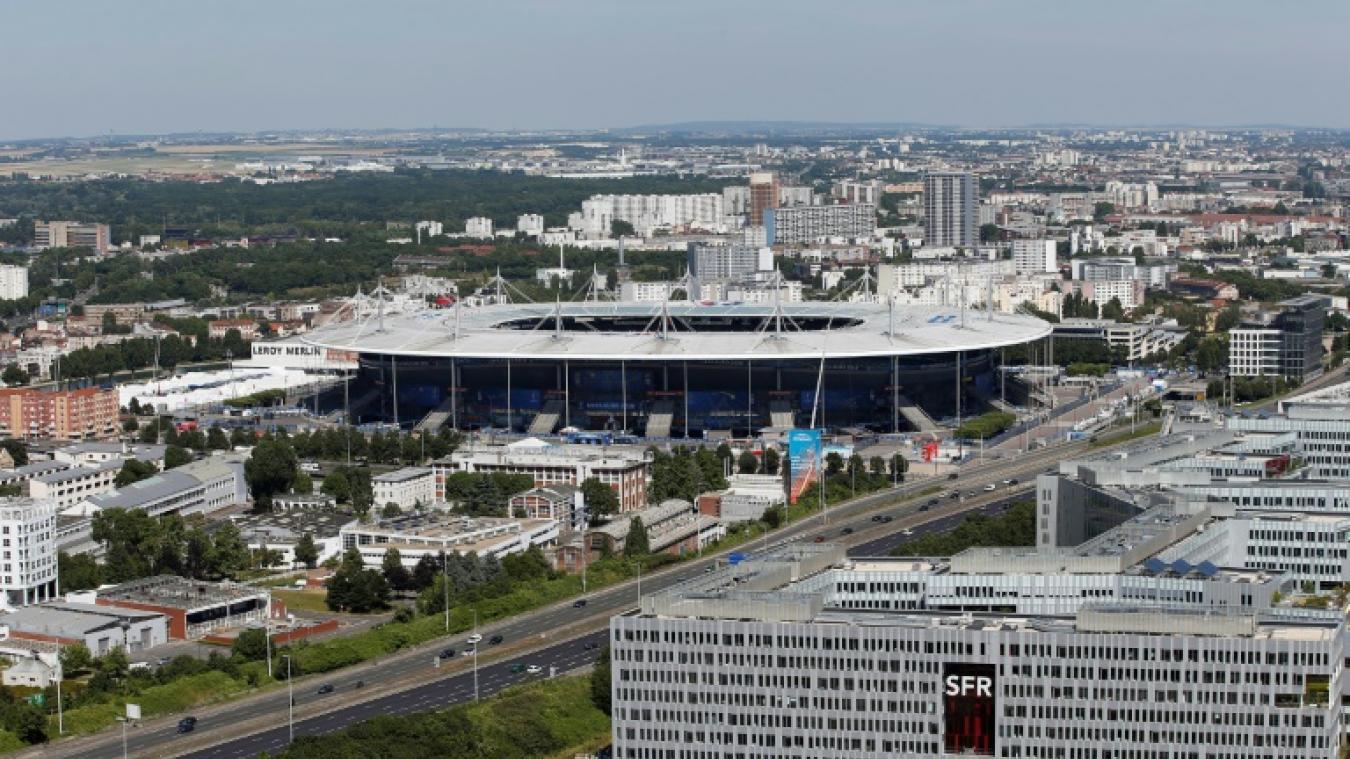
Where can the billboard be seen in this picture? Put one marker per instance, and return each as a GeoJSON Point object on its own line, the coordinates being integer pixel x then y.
{"type": "Point", "coordinates": [804, 461]}
{"type": "Point", "coordinates": [293, 354]}
{"type": "Point", "coordinates": [969, 706]}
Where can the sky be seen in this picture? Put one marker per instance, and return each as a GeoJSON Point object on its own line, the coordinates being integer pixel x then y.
{"type": "Point", "coordinates": [91, 67]}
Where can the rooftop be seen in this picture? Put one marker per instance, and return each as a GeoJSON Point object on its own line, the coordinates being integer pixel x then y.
{"type": "Point", "coordinates": [405, 474]}
{"type": "Point", "coordinates": [179, 592]}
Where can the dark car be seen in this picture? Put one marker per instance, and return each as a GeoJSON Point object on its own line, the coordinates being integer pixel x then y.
{"type": "Point", "coordinates": [932, 501]}
{"type": "Point", "coordinates": [325, 688]}
{"type": "Point", "coordinates": [847, 531]}
{"type": "Point", "coordinates": [887, 519]}
{"type": "Point", "coordinates": [494, 640]}
{"type": "Point", "coordinates": [591, 645]}
{"type": "Point", "coordinates": [448, 653]}
{"type": "Point", "coordinates": [876, 518]}
{"type": "Point", "coordinates": [187, 724]}
{"type": "Point", "coordinates": [1013, 481]}
{"type": "Point", "coordinates": [954, 494]}
{"type": "Point", "coordinates": [579, 603]}
{"type": "Point", "coordinates": [923, 507]}
{"type": "Point", "coordinates": [951, 476]}
{"type": "Point", "coordinates": [517, 668]}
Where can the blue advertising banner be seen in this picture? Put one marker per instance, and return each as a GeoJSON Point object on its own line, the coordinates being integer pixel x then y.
{"type": "Point", "coordinates": [804, 461]}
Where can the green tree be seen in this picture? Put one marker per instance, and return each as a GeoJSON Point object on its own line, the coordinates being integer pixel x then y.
{"type": "Point", "coordinates": [306, 552]}
{"type": "Point", "coordinates": [621, 228]}
{"type": "Point", "coordinates": [270, 470]}
{"type": "Point", "coordinates": [337, 485]}
{"type": "Point", "coordinates": [834, 463]}
{"type": "Point", "coordinates": [79, 571]}
{"type": "Point", "coordinates": [600, 499]}
{"type": "Point", "coordinates": [391, 510]}
{"type": "Point", "coordinates": [636, 544]}
{"type": "Point", "coordinates": [747, 463]}
{"type": "Point", "coordinates": [176, 456]}
{"type": "Point", "coordinates": [397, 575]}
{"type": "Point", "coordinates": [217, 440]}
{"type": "Point", "coordinates": [75, 658]}
{"type": "Point", "coordinates": [250, 645]}
{"type": "Point", "coordinates": [354, 588]}
{"type": "Point", "coordinates": [602, 684]}
{"type": "Point", "coordinates": [771, 460]}
{"type": "Point", "coordinates": [134, 470]}
{"type": "Point", "coordinates": [17, 450]}
{"type": "Point", "coordinates": [302, 483]}
{"type": "Point", "coordinates": [197, 554]}
{"type": "Point", "coordinates": [229, 553]}
{"type": "Point", "coordinates": [13, 375]}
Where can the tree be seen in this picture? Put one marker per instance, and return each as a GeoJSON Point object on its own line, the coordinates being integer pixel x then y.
{"type": "Point", "coordinates": [13, 375]}
{"type": "Point", "coordinates": [270, 470]}
{"type": "Point", "coordinates": [990, 233]}
{"type": "Point", "coordinates": [834, 463]}
{"type": "Point", "coordinates": [306, 552]}
{"type": "Point", "coordinates": [250, 645]}
{"type": "Point", "coordinates": [621, 228]}
{"type": "Point", "coordinates": [229, 553]}
{"type": "Point", "coordinates": [602, 684]}
{"type": "Point", "coordinates": [774, 516]}
{"type": "Point", "coordinates": [771, 460]}
{"type": "Point", "coordinates": [391, 510]}
{"type": "Point", "coordinates": [899, 465]}
{"type": "Point", "coordinates": [636, 544]}
{"type": "Point", "coordinates": [1113, 310]}
{"type": "Point", "coordinates": [303, 484]}
{"type": "Point", "coordinates": [176, 456]}
{"type": "Point", "coordinates": [197, 554]}
{"type": "Point", "coordinates": [79, 571]}
{"type": "Point", "coordinates": [216, 439]}
{"type": "Point", "coordinates": [747, 463]}
{"type": "Point", "coordinates": [337, 485]}
{"type": "Point", "coordinates": [600, 499]}
{"type": "Point", "coordinates": [354, 588]}
{"type": "Point", "coordinates": [17, 450]}
{"type": "Point", "coordinates": [397, 575]}
{"type": "Point", "coordinates": [134, 470]}
{"type": "Point", "coordinates": [75, 658]}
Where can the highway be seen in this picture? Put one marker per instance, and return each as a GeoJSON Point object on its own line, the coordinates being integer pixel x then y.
{"type": "Point", "coordinates": [551, 637]}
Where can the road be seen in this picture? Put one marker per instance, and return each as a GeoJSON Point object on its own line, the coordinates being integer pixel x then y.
{"type": "Point", "coordinates": [553, 636]}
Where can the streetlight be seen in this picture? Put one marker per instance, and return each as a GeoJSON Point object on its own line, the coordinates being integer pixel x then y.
{"type": "Point", "coordinates": [60, 710]}
{"type": "Point", "coordinates": [445, 583]}
{"type": "Point", "coordinates": [290, 708]}
{"type": "Point", "coordinates": [124, 722]}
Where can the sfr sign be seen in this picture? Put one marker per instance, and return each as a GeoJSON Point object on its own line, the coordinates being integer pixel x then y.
{"type": "Point", "coordinates": [967, 685]}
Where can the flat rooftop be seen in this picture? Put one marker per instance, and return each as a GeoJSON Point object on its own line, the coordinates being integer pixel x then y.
{"type": "Point", "coordinates": [179, 592]}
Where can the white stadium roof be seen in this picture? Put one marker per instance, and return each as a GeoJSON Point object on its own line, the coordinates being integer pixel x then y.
{"type": "Point", "coordinates": [600, 331]}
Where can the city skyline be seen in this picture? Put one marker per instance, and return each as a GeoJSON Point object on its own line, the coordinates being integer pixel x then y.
{"type": "Point", "coordinates": [155, 68]}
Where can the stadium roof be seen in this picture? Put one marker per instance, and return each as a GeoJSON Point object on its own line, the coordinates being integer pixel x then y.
{"type": "Point", "coordinates": [680, 331]}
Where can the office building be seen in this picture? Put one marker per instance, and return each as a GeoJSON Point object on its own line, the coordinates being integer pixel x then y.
{"type": "Point", "coordinates": [73, 484]}
{"type": "Point", "coordinates": [807, 224]}
{"type": "Point", "coordinates": [194, 608]}
{"type": "Point", "coordinates": [673, 526]}
{"type": "Point", "coordinates": [1132, 342]}
{"type": "Point", "coordinates": [101, 629]}
{"type": "Point", "coordinates": [85, 414]}
{"type": "Point", "coordinates": [627, 470]}
{"type": "Point", "coordinates": [530, 224]}
{"type": "Point", "coordinates": [561, 503]}
{"type": "Point", "coordinates": [72, 234]}
{"type": "Point", "coordinates": [1285, 343]}
{"type": "Point", "coordinates": [199, 487]}
{"type": "Point", "coordinates": [28, 554]}
{"type": "Point", "coordinates": [763, 195]}
{"type": "Point", "coordinates": [1130, 292]}
{"type": "Point", "coordinates": [1034, 256]}
{"type": "Point", "coordinates": [13, 282]}
{"type": "Point", "coordinates": [1112, 269]}
{"type": "Point", "coordinates": [407, 488]}
{"type": "Point", "coordinates": [949, 204]}
{"type": "Point", "coordinates": [435, 533]}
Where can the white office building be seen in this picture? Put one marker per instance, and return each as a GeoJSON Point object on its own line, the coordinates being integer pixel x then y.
{"type": "Point", "coordinates": [27, 550]}
{"type": "Point", "coordinates": [531, 224]}
{"type": "Point", "coordinates": [406, 488]}
{"type": "Point", "coordinates": [478, 226]}
{"type": "Point", "coordinates": [1034, 256]}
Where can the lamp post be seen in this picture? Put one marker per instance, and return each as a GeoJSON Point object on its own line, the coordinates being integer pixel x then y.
{"type": "Point", "coordinates": [290, 705]}
{"type": "Point", "coordinates": [124, 721]}
{"type": "Point", "coordinates": [60, 708]}
{"type": "Point", "coordinates": [445, 583]}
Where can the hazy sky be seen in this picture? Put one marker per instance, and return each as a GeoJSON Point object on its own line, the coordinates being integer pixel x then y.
{"type": "Point", "coordinates": [82, 67]}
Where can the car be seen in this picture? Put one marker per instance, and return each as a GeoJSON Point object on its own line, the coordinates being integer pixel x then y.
{"type": "Point", "coordinates": [468, 652]}
{"type": "Point", "coordinates": [187, 724]}
{"type": "Point", "coordinates": [820, 539]}
{"type": "Point", "coordinates": [325, 688]}
{"type": "Point", "coordinates": [923, 507]}
{"type": "Point", "coordinates": [1012, 481]}
{"type": "Point", "coordinates": [907, 533]}
{"type": "Point", "coordinates": [846, 531]}
{"type": "Point", "coordinates": [1007, 482]}
{"type": "Point", "coordinates": [163, 660]}
{"type": "Point", "coordinates": [448, 653]}
{"type": "Point", "coordinates": [954, 494]}
{"type": "Point", "coordinates": [534, 669]}
{"type": "Point", "coordinates": [951, 476]}
{"type": "Point", "coordinates": [876, 518]}
{"type": "Point", "coordinates": [591, 645]}
{"type": "Point", "coordinates": [989, 487]}
{"type": "Point", "coordinates": [887, 519]}
{"type": "Point", "coordinates": [494, 640]}
{"type": "Point", "coordinates": [517, 668]}
{"type": "Point", "coordinates": [475, 639]}
{"type": "Point", "coordinates": [932, 501]}
{"type": "Point", "coordinates": [579, 603]}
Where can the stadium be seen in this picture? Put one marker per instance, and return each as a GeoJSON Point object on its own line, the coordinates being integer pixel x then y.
{"type": "Point", "coordinates": [675, 368]}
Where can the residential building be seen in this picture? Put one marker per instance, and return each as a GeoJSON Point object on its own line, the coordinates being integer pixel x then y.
{"type": "Point", "coordinates": [86, 414]}
{"type": "Point", "coordinates": [712, 263]}
{"type": "Point", "coordinates": [13, 282]}
{"type": "Point", "coordinates": [69, 486]}
{"type": "Point", "coordinates": [193, 608]}
{"type": "Point", "coordinates": [218, 328]}
{"type": "Point", "coordinates": [478, 226]}
{"type": "Point", "coordinates": [1130, 292]}
{"type": "Point", "coordinates": [72, 234]}
{"type": "Point", "coordinates": [763, 196]}
{"type": "Point", "coordinates": [531, 224]}
{"type": "Point", "coordinates": [627, 470]}
{"type": "Point", "coordinates": [199, 487]}
{"type": "Point", "coordinates": [1112, 269]}
{"type": "Point", "coordinates": [949, 204]}
{"type": "Point", "coordinates": [858, 191]}
{"type": "Point", "coordinates": [27, 550]}
{"type": "Point", "coordinates": [806, 224]}
{"type": "Point", "coordinates": [93, 453]}
{"type": "Point", "coordinates": [1285, 343]}
{"type": "Point", "coordinates": [1132, 342]}
{"type": "Point", "coordinates": [435, 533]}
{"type": "Point", "coordinates": [1034, 256]}
{"type": "Point", "coordinates": [406, 488]}
{"type": "Point", "coordinates": [647, 213]}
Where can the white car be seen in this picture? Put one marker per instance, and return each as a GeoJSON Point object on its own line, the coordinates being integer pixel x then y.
{"type": "Point", "coordinates": [475, 639]}
{"type": "Point", "coordinates": [990, 486]}
{"type": "Point", "coordinates": [534, 669]}
{"type": "Point", "coordinates": [907, 533]}
{"type": "Point", "coordinates": [468, 652]}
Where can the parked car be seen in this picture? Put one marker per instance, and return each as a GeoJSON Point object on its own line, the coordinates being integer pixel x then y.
{"type": "Point", "coordinates": [187, 724]}
{"type": "Point", "coordinates": [923, 507]}
{"type": "Point", "coordinates": [591, 645]}
{"type": "Point", "coordinates": [907, 533]}
{"type": "Point", "coordinates": [887, 519]}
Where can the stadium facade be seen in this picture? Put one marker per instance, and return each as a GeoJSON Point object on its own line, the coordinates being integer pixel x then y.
{"type": "Point", "coordinates": [672, 369]}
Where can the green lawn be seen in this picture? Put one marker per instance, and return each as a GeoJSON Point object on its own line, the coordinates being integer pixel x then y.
{"type": "Point", "coordinates": [302, 600]}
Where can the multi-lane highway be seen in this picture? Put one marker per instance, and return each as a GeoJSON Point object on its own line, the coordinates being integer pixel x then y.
{"type": "Point", "coordinates": [552, 637]}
